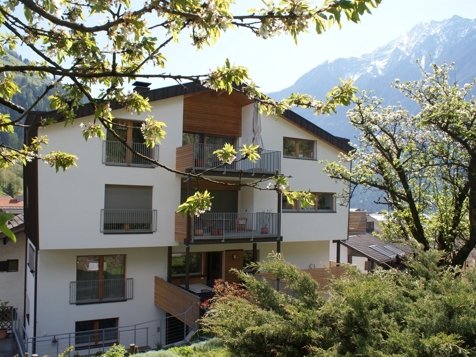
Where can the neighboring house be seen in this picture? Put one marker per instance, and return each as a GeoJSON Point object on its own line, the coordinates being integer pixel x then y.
{"type": "Point", "coordinates": [366, 251]}
{"type": "Point", "coordinates": [11, 205]}
{"type": "Point", "coordinates": [12, 264]}
{"type": "Point", "coordinates": [104, 238]}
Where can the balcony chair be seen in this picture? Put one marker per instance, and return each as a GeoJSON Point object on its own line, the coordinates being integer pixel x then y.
{"type": "Point", "coordinates": [241, 224]}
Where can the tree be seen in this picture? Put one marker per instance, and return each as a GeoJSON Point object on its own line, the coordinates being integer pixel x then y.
{"type": "Point", "coordinates": [92, 63]}
{"type": "Point", "coordinates": [424, 164]}
{"type": "Point", "coordinates": [427, 310]}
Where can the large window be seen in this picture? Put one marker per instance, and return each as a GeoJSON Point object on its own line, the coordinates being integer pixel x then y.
{"type": "Point", "coordinates": [117, 154]}
{"type": "Point", "coordinates": [298, 148]}
{"type": "Point", "coordinates": [324, 202]}
{"type": "Point", "coordinates": [96, 332]}
{"type": "Point", "coordinates": [100, 278]}
{"type": "Point", "coordinates": [178, 264]}
{"type": "Point", "coordinates": [128, 209]}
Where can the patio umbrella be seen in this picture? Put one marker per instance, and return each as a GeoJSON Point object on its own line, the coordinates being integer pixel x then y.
{"type": "Point", "coordinates": [257, 139]}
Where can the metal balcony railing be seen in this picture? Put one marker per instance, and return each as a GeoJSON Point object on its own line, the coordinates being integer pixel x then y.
{"type": "Point", "coordinates": [234, 225]}
{"type": "Point", "coordinates": [204, 159]}
{"type": "Point", "coordinates": [105, 290]}
{"type": "Point", "coordinates": [128, 220]}
{"type": "Point", "coordinates": [114, 153]}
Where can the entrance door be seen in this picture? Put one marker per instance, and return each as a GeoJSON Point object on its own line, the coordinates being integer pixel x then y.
{"type": "Point", "coordinates": [214, 263]}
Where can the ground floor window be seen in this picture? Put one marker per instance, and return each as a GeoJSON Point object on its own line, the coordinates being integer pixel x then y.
{"type": "Point", "coordinates": [96, 332]}
{"type": "Point", "coordinates": [178, 263]}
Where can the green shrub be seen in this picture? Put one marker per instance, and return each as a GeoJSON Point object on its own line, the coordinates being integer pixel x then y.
{"type": "Point", "coordinates": [426, 310]}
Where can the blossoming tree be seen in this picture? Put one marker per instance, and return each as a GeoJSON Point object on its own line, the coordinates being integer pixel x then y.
{"type": "Point", "coordinates": [91, 61]}
{"type": "Point", "coordinates": [425, 164]}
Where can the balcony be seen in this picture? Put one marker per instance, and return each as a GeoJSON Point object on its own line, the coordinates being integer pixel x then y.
{"type": "Point", "coordinates": [228, 227]}
{"type": "Point", "coordinates": [199, 157]}
{"type": "Point", "coordinates": [128, 220]}
{"type": "Point", "coordinates": [105, 290]}
{"type": "Point", "coordinates": [116, 154]}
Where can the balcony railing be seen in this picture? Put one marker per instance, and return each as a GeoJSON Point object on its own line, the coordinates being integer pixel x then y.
{"type": "Point", "coordinates": [201, 157]}
{"type": "Point", "coordinates": [234, 225]}
{"type": "Point", "coordinates": [128, 220]}
{"type": "Point", "coordinates": [105, 290]}
{"type": "Point", "coordinates": [114, 153]}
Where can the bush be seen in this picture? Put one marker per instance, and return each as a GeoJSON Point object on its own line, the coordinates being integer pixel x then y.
{"type": "Point", "coordinates": [426, 310]}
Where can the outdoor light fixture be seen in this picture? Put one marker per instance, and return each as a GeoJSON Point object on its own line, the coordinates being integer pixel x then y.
{"type": "Point", "coordinates": [54, 340]}
{"type": "Point", "coordinates": [234, 256]}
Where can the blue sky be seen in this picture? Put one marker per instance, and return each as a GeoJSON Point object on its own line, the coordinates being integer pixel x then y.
{"type": "Point", "coordinates": [277, 63]}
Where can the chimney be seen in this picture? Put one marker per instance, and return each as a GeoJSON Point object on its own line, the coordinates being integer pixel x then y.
{"type": "Point", "coordinates": [141, 87]}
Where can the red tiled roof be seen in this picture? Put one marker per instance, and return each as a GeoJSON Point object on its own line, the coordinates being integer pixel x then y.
{"type": "Point", "coordinates": [7, 201]}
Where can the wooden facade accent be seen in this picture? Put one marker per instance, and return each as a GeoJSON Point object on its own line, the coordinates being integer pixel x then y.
{"type": "Point", "coordinates": [357, 222]}
{"type": "Point", "coordinates": [180, 228]}
{"type": "Point", "coordinates": [212, 114]}
{"type": "Point", "coordinates": [236, 263]}
{"type": "Point", "coordinates": [184, 157]}
{"type": "Point", "coordinates": [320, 275]}
{"type": "Point", "coordinates": [176, 301]}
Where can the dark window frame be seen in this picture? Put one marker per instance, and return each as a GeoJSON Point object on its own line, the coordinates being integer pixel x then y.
{"type": "Point", "coordinates": [6, 265]}
{"type": "Point", "coordinates": [95, 333]}
{"type": "Point", "coordinates": [286, 208]}
{"type": "Point", "coordinates": [297, 149]}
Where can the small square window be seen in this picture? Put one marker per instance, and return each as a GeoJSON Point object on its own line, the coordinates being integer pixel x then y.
{"type": "Point", "coordinates": [12, 265]}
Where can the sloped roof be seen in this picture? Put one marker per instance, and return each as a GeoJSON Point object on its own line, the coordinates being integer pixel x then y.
{"type": "Point", "coordinates": [191, 88]}
{"type": "Point", "coordinates": [17, 224]}
{"type": "Point", "coordinates": [375, 249]}
{"type": "Point", "coordinates": [7, 201]}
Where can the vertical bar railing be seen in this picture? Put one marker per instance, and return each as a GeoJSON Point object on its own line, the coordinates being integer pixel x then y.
{"type": "Point", "coordinates": [128, 220]}
{"type": "Point", "coordinates": [204, 159]}
{"type": "Point", "coordinates": [115, 153]}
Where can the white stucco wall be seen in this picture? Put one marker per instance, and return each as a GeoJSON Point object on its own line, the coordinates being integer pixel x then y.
{"type": "Point", "coordinates": [70, 202]}
{"type": "Point", "coordinates": [12, 283]}
{"type": "Point", "coordinates": [58, 268]}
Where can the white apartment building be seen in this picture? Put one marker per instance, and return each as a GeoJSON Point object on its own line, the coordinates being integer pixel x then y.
{"type": "Point", "coordinates": [106, 244]}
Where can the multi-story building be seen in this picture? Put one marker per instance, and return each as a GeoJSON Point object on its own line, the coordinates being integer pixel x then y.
{"type": "Point", "coordinates": [104, 237]}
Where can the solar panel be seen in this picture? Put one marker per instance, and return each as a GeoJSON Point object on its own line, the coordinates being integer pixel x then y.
{"type": "Point", "coordinates": [400, 252]}
{"type": "Point", "coordinates": [383, 251]}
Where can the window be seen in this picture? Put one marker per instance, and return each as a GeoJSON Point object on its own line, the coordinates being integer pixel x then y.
{"type": "Point", "coordinates": [96, 332]}
{"type": "Point", "coordinates": [298, 148]}
{"type": "Point", "coordinates": [325, 202]}
{"type": "Point", "coordinates": [10, 265]}
{"type": "Point", "coordinates": [117, 154]}
{"type": "Point", "coordinates": [31, 258]}
{"type": "Point", "coordinates": [128, 209]}
{"type": "Point", "coordinates": [178, 263]}
{"type": "Point", "coordinates": [100, 278]}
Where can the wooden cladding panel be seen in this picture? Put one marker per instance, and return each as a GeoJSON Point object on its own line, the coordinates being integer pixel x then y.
{"type": "Point", "coordinates": [207, 185]}
{"type": "Point", "coordinates": [323, 275]}
{"type": "Point", "coordinates": [212, 114]}
{"type": "Point", "coordinates": [184, 157]}
{"type": "Point", "coordinates": [233, 263]}
{"type": "Point", "coordinates": [191, 280]}
{"type": "Point", "coordinates": [180, 228]}
{"type": "Point", "coordinates": [357, 223]}
{"type": "Point", "coordinates": [176, 301]}
{"type": "Point", "coordinates": [320, 275]}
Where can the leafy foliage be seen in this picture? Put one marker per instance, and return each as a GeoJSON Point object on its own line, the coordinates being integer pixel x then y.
{"type": "Point", "coordinates": [427, 310]}
{"type": "Point", "coordinates": [425, 164]}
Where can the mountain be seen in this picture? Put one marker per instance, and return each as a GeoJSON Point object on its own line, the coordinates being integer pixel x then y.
{"type": "Point", "coordinates": [451, 40]}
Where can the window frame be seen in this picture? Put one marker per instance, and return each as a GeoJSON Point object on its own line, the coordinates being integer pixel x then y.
{"type": "Point", "coordinates": [297, 150]}
{"type": "Point", "coordinates": [96, 334]}
{"type": "Point", "coordinates": [100, 278]}
{"type": "Point", "coordinates": [5, 266]}
{"type": "Point", "coordinates": [195, 273]}
{"type": "Point", "coordinates": [313, 209]}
